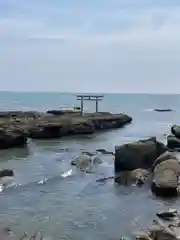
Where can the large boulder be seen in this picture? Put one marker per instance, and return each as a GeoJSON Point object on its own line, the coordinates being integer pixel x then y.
{"type": "Point", "coordinates": [165, 181]}
{"type": "Point", "coordinates": [163, 157]}
{"type": "Point", "coordinates": [175, 130]}
{"type": "Point", "coordinates": [10, 138]}
{"type": "Point", "coordinates": [140, 154]}
{"type": "Point", "coordinates": [173, 142]}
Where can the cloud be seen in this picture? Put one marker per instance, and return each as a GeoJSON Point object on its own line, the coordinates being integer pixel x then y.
{"type": "Point", "coordinates": [96, 46]}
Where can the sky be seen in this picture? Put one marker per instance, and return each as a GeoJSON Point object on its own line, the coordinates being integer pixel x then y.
{"type": "Point", "coordinates": [90, 45]}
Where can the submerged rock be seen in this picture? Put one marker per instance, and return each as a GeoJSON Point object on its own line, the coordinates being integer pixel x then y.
{"type": "Point", "coordinates": [85, 162]}
{"type": "Point", "coordinates": [137, 177]}
{"type": "Point", "coordinates": [104, 151]}
{"type": "Point", "coordinates": [163, 110]}
{"type": "Point", "coordinates": [140, 154]}
{"type": "Point", "coordinates": [6, 173]}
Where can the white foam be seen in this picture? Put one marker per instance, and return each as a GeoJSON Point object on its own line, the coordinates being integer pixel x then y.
{"type": "Point", "coordinates": [67, 174]}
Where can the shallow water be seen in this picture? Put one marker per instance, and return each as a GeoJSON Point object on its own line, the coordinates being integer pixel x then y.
{"type": "Point", "coordinates": [76, 206]}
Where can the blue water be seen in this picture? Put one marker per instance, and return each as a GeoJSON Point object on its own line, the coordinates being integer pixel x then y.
{"type": "Point", "coordinates": [77, 207]}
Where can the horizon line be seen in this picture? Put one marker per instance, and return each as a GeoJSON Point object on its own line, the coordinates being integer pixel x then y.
{"type": "Point", "coordinates": [94, 93]}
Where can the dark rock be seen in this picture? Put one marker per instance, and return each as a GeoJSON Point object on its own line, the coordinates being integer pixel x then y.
{"type": "Point", "coordinates": [163, 110]}
{"type": "Point", "coordinates": [110, 121]}
{"type": "Point", "coordinates": [56, 112]}
{"type": "Point", "coordinates": [173, 142]}
{"type": "Point", "coordinates": [137, 176]}
{"type": "Point", "coordinates": [12, 138]}
{"type": "Point", "coordinates": [167, 215]}
{"type": "Point", "coordinates": [104, 151]}
{"type": "Point", "coordinates": [175, 130]}
{"type": "Point", "coordinates": [166, 178]}
{"type": "Point", "coordinates": [140, 154]}
{"type": "Point", "coordinates": [73, 124]}
{"type": "Point", "coordinates": [6, 173]}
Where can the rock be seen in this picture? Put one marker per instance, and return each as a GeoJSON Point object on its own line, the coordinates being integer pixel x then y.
{"type": "Point", "coordinates": [175, 130]}
{"type": "Point", "coordinates": [85, 162]}
{"type": "Point", "coordinates": [137, 176]}
{"type": "Point", "coordinates": [173, 142]}
{"type": "Point", "coordinates": [166, 178]}
{"type": "Point", "coordinates": [12, 138]}
{"type": "Point", "coordinates": [163, 110]}
{"type": "Point", "coordinates": [20, 114]}
{"type": "Point", "coordinates": [104, 151]}
{"type": "Point", "coordinates": [109, 121]}
{"type": "Point", "coordinates": [56, 112]}
{"type": "Point", "coordinates": [163, 157]}
{"type": "Point", "coordinates": [140, 154]}
{"type": "Point", "coordinates": [167, 215]}
{"type": "Point", "coordinates": [6, 173]}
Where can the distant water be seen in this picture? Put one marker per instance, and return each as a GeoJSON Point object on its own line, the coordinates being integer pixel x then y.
{"type": "Point", "coordinates": [76, 206]}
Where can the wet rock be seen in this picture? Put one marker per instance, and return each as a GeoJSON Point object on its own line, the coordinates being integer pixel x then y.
{"type": "Point", "coordinates": [85, 162]}
{"type": "Point", "coordinates": [6, 173]}
{"type": "Point", "coordinates": [173, 142]}
{"type": "Point", "coordinates": [12, 138]}
{"type": "Point", "coordinates": [175, 130]}
{"type": "Point", "coordinates": [166, 178]}
{"type": "Point", "coordinates": [163, 110]}
{"type": "Point", "coordinates": [163, 157]}
{"type": "Point", "coordinates": [167, 215]}
{"type": "Point", "coordinates": [109, 121]}
{"type": "Point", "coordinates": [104, 151]}
{"type": "Point", "coordinates": [137, 177]}
{"type": "Point", "coordinates": [140, 154]}
{"type": "Point", "coordinates": [56, 112]}
{"type": "Point", "coordinates": [20, 114]}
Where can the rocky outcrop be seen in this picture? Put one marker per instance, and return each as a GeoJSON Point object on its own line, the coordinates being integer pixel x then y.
{"type": "Point", "coordinates": [68, 124]}
{"type": "Point", "coordinates": [140, 154]}
{"type": "Point", "coordinates": [20, 114]}
{"type": "Point", "coordinates": [16, 126]}
{"type": "Point", "coordinates": [166, 173]}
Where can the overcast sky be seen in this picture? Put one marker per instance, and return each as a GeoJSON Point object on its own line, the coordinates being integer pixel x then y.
{"type": "Point", "coordinates": [90, 45]}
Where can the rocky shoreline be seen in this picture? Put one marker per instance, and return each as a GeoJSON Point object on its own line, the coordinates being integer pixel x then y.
{"type": "Point", "coordinates": [136, 163]}
{"type": "Point", "coordinates": [16, 126]}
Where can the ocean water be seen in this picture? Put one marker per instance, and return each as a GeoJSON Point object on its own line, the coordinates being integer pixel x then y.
{"type": "Point", "coordinates": [76, 206]}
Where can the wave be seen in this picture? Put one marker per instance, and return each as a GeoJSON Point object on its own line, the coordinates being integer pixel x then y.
{"type": "Point", "coordinates": [6, 185]}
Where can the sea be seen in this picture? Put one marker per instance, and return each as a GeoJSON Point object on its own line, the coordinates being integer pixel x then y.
{"type": "Point", "coordinates": [49, 195]}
